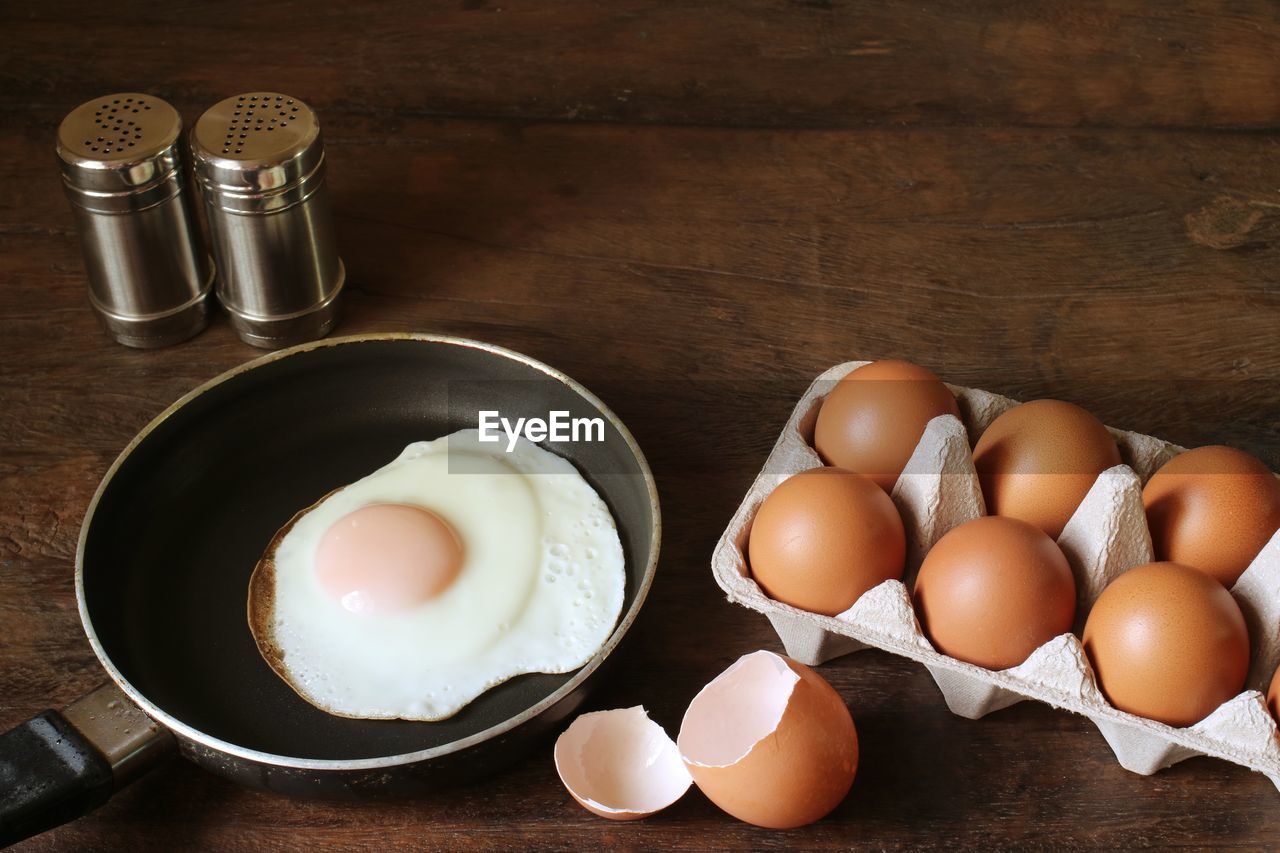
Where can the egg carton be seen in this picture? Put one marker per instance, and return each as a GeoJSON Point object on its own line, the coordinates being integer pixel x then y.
{"type": "Point", "coordinates": [1107, 535]}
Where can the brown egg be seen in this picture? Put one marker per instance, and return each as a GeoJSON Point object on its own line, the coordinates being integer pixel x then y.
{"type": "Point", "coordinates": [1213, 508]}
{"type": "Point", "coordinates": [770, 742]}
{"type": "Point", "coordinates": [823, 538]}
{"type": "Point", "coordinates": [873, 418]}
{"type": "Point", "coordinates": [1273, 696]}
{"type": "Point", "coordinates": [1167, 642]}
{"type": "Point", "coordinates": [1038, 460]}
{"type": "Point", "coordinates": [993, 590]}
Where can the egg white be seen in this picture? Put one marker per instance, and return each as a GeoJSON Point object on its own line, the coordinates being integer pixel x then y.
{"type": "Point", "coordinates": [540, 589]}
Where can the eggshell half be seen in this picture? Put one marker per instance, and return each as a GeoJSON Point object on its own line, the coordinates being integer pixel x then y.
{"type": "Point", "coordinates": [770, 742]}
{"type": "Point", "coordinates": [620, 764]}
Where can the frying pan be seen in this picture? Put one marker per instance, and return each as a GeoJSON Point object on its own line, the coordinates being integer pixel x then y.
{"type": "Point", "coordinates": [182, 516]}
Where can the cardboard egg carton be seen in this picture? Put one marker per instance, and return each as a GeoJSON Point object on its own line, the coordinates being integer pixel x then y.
{"type": "Point", "coordinates": [1107, 535]}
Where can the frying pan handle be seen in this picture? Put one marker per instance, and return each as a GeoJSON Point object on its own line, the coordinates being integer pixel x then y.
{"type": "Point", "coordinates": [58, 766]}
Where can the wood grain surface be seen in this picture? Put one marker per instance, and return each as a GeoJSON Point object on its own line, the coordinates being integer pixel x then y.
{"type": "Point", "coordinates": [693, 208]}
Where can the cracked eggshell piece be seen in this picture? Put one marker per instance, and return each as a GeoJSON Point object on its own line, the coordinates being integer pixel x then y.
{"type": "Point", "coordinates": [620, 764]}
{"type": "Point", "coordinates": [770, 742]}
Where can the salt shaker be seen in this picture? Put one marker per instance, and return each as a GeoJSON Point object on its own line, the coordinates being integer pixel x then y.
{"type": "Point", "coordinates": [123, 169]}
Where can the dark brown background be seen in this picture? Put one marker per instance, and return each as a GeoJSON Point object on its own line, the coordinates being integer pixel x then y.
{"type": "Point", "coordinates": [694, 208]}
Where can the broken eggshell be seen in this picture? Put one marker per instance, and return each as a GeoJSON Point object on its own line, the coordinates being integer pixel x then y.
{"type": "Point", "coordinates": [620, 764]}
{"type": "Point", "coordinates": [770, 742]}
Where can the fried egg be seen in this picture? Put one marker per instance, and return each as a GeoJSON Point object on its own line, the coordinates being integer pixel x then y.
{"type": "Point", "coordinates": [456, 566]}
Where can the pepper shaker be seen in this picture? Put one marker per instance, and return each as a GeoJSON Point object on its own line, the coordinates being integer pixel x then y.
{"type": "Point", "coordinates": [259, 160]}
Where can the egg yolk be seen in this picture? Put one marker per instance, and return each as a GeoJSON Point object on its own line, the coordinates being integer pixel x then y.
{"type": "Point", "coordinates": [388, 557]}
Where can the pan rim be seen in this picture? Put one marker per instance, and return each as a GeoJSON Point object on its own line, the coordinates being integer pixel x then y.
{"type": "Point", "coordinates": [190, 733]}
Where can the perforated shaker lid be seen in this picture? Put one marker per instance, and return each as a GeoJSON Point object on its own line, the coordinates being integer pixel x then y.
{"type": "Point", "coordinates": [256, 143]}
{"type": "Point", "coordinates": [122, 143]}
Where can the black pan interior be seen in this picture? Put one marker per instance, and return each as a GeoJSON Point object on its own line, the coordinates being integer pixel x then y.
{"type": "Point", "coordinates": [182, 522]}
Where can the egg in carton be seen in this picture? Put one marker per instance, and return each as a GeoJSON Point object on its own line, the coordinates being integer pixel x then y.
{"type": "Point", "coordinates": [1107, 535]}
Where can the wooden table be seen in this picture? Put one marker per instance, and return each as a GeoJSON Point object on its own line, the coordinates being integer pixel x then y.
{"type": "Point", "coordinates": [693, 208]}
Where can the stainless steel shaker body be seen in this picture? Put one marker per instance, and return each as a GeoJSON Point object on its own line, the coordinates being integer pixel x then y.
{"type": "Point", "coordinates": [123, 169]}
{"type": "Point", "coordinates": [260, 163]}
